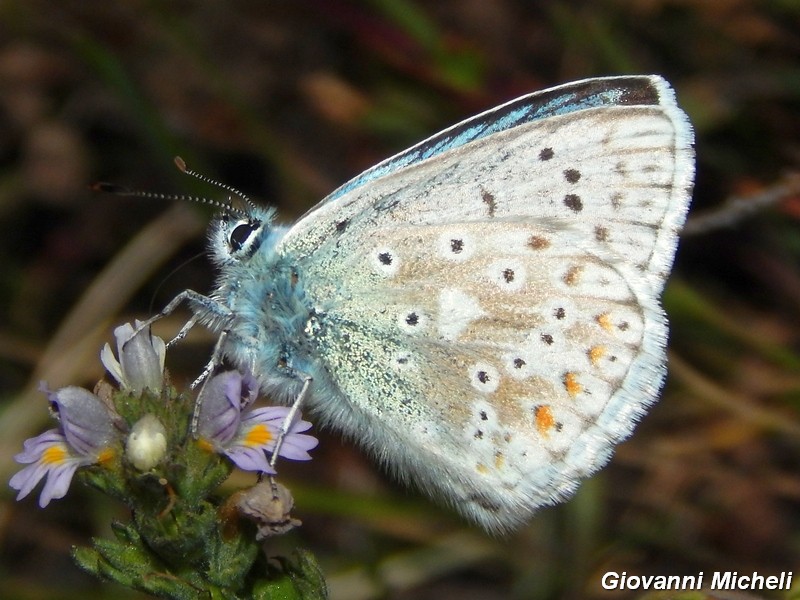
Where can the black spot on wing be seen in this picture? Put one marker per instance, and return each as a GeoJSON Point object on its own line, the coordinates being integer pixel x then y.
{"type": "Point", "coordinates": [573, 202]}
{"type": "Point", "coordinates": [489, 201]}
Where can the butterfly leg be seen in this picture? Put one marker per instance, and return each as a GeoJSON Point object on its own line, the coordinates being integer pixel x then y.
{"type": "Point", "coordinates": [184, 330]}
{"type": "Point", "coordinates": [213, 363]}
{"type": "Point", "coordinates": [203, 307]}
{"type": "Point", "coordinates": [200, 304]}
{"type": "Point", "coordinates": [286, 426]}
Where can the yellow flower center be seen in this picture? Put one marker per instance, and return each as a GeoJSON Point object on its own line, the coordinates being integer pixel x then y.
{"type": "Point", "coordinates": [205, 445]}
{"type": "Point", "coordinates": [54, 455]}
{"type": "Point", "coordinates": [105, 455]}
{"type": "Point", "coordinates": [259, 435]}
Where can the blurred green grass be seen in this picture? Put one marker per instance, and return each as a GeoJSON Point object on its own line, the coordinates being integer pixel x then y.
{"type": "Point", "coordinates": [287, 100]}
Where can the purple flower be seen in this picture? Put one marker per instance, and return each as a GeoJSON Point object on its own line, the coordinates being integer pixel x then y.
{"type": "Point", "coordinates": [141, 359]}
{"type": "Point", "coordinates": [247, 436]}
{"type": "Point", "coordinates": [86, 437]}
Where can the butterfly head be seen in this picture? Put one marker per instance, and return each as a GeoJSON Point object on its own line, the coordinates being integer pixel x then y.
{"type": "Point", "coordinates": [237, 235]}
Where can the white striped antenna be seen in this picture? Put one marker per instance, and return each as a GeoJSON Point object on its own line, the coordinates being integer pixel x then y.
{"type": "Point", "coordinates": [181, 164]}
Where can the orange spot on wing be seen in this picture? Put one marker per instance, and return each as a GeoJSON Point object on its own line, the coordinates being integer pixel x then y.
{"type": "Point", "coordinates": [604, 320]}
{"type": "Point", "coordinates": [573, 275]}
{"type": "Point", "coordinates": [572, 385]}
{"type": "Point", "coordinates": [596, 353]}
{"type": "Point", "coordinates": [538, 242]}
{"type": "Point", "coordinates": [499, 460]}
{"type": "Point", "coordinates": [544, 419]}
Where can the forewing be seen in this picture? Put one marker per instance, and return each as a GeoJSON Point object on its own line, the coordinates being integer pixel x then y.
{"type": "Point", "coordinates": [490, 315]}
{"type": "Point", "coordinates": [568, 98]}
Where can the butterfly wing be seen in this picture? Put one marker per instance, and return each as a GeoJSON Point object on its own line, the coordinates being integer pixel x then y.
{"type": "Point", "coordinates": [563, 99]}
{"type": "Point", "coordinates": [487, 314]}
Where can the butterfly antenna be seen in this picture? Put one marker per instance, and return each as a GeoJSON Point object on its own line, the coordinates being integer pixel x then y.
{"type": "Point", "coordinates": [119, 190]}
{"type": "Point", "coordinates": [181, 164]}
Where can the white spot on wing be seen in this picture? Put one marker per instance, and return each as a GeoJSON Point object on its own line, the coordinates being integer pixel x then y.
{"type": "Point", "coordinates": [385, 261]}
{"type": "Point", "coordinates": [456, 311]}
{"type": "Point", "coordinates": [484, 377]}
{"type": "Point", "coordinates": [412, 321]}
{"type": "Point", "coordinates": [457, 246]}
{"type": "Point", "coordinates": [509, 275]}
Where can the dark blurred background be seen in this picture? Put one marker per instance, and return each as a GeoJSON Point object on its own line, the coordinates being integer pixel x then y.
{"type": "Point", "coordinates": [288, 99]}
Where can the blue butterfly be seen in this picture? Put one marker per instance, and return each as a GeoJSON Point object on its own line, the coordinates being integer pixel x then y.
{"type": "Point", "coordinates": [481, 311]}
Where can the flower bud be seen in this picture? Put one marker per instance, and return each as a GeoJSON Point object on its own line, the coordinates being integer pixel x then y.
{"type": "Point", "coordinates": [147, 443]}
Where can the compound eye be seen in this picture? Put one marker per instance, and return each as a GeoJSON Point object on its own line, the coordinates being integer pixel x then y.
{"type": "Point", "coordinates": [240, 235]}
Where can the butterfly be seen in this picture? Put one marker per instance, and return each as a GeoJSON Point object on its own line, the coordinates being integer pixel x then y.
{"type": "Point", "coordinates": [481, 311]}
